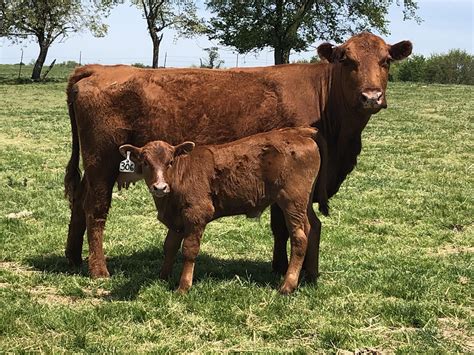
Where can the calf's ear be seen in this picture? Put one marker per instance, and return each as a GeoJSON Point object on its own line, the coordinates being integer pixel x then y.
{"type": "Point", "coordinates": [134, 151]}
{"type": "Point", "coordinates": [400, 50]}
{"type": "Point", "coordinates": [183, 148]}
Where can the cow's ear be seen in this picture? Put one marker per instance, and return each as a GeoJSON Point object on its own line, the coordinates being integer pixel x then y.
{"type": "Point", "coordinates": [325, 51]}
{"type": "Point", "coordinates": [183, 148]}
{"type": "Point", "coordinates": [400, 50]}
{"type": "Point", "coordinates": [134, 151]}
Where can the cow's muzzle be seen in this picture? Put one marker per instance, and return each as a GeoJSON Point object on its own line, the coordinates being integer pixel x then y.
{"type": "Point", "coordinates": [373, 99]}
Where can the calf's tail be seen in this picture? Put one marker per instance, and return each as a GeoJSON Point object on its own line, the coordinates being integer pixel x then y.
{"type": "Point", "coordinates": [320, 190]}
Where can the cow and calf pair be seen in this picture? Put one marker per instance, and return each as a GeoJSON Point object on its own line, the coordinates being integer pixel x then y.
{"type": "Point", "coordinates": [245, 158]}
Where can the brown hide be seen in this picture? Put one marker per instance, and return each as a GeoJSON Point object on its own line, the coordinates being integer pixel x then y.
{"type": "Point", "coordinates": [242, 177]}
{"type": "Point", "coordinates": [113, 105]}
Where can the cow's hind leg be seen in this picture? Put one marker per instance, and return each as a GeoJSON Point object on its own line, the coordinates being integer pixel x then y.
{"type": "Point", "coordinates": [77, 227]}
{"type": "Point", "coordinates": [96, 206]}
{"type": "Point", "coordinates": [311, 262]}
{"type": "Point", "coordinates": [280, 238]}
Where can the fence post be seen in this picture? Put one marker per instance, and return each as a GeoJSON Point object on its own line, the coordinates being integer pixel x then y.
{"type": "Point", "coordinates": [21, 63]}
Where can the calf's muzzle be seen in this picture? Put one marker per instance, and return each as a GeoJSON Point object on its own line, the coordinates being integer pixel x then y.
{"type": "Point", "coordinates": [160, 189]}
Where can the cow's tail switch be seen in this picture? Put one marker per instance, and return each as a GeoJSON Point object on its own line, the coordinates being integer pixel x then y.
{"type": "Point", "coordinates": [321, 183]}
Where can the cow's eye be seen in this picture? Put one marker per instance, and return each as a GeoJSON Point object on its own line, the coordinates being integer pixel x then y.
{"type": "Point", "coordinates": [170, 164]}
{"type": "Point", "coordinates": [385, 63]}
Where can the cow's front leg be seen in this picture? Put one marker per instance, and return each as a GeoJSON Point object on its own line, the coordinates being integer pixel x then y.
{"type": "Point", "coordinates": [311, 262]}
{"type": "Point", "coordinates": [191, 245]}
{"type": "Point", "coordinates": [171, 246]}
{"type": "Point", "coordinates": [280, 238]}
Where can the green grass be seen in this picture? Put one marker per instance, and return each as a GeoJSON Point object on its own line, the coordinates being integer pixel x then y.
{"type": "Point", "coordinates": [397, 250]}
{"type": "Point", "coordinates": [11, 74]}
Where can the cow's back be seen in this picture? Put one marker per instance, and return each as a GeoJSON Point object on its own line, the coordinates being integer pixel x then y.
{"type": "Point", "coordinates": [132, 105]}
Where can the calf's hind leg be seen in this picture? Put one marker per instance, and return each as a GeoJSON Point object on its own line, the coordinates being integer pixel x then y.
{"type": "Point", "coordinates": [77, 227]}
{"type": "Point", "coordinates": [299, 241]}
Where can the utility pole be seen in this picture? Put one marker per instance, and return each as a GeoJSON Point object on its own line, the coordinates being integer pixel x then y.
{"type": "Point", "coordinates": [21, 63]}
{"type": "Point", "coordinates": [166, 56]}
{"type": "Point", "coordinates": [80, 57]}
{"type": "Point", "coordinates": [237, 61]}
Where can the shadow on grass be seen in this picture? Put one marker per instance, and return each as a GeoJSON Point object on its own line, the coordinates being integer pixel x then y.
{"type": "Point", "coordinates": [141, 269]}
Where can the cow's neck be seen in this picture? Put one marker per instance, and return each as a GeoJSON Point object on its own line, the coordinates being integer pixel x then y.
{"type": "Point", "coordinates": [341, 126]}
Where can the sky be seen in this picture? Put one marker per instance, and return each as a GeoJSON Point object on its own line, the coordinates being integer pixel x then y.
{"type": "Point", "coordinates": [447, 24]}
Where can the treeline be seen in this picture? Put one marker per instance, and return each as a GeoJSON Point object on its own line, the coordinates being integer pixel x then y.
{"type": "Point", "coordinates": [456, 67]}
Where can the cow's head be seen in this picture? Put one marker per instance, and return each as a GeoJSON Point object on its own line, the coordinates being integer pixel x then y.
{"type": "Point", "coordinates": [155, 159]}
{"type": "Point", "coordinates": [364, 62]}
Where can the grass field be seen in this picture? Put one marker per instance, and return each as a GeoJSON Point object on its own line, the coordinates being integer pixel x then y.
{"type": "Point", "coordinates": [397, 250]}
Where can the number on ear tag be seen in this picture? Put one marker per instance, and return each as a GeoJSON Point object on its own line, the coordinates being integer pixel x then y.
{"type": "Point", "coordinates": [127, 166]}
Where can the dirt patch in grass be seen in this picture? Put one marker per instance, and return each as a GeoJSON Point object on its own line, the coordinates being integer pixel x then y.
{"type": "Point", "coordinates": [51, 296]}
{"type": "Point", "coordinates": [452, 250]}
{"type": "Point", "coordinates": [454, 330]}
{"type": "Point", "coordinates": [17, 268]}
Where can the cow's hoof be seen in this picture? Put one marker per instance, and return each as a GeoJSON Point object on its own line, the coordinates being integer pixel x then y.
{"type": "Point", "coordinates": [279, 269]}
{"type": "Point", "coordinates": [164, 275]}
{"type": "Point", "coordinates": [74, 262]}
{"type": "Point", "coordinates": [311, 276]}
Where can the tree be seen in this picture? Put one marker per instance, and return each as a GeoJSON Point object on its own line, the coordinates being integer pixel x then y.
{"type": "Point", "coordinates": [213, 60]}
{"type": "Point", "coordinates": [179, 15]}
{"type": "Point", "coordinates": [286, 25]}
{"type": "Point", "coordinates": [47, 21]}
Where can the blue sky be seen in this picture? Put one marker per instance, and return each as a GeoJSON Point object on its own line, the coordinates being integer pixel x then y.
{"type": "Point", "coordinates": [446, 24]}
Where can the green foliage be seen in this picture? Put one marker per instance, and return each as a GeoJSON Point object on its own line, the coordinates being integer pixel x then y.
{"type": "Point", "coordinates": [47, 21]}
{"type": "Point", "coordinates": [456, 67]}
{"type": "Point", "coordinates": [412, 69]}
{"type": "Point", "coordinates": [287, 25]}
{"type": "Point", "coordinates": [162, 14]}
{"type": "Point", "coordinates": [396, 253]}
{"type": "Point", "coordinates": [213, 60]}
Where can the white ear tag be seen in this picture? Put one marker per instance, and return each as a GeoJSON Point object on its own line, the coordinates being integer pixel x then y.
{"type": "Point", "coordinates": [127, 166]}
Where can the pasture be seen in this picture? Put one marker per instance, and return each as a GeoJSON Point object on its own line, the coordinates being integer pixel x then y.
{"type": "Point", "coordinates": [396, 254]}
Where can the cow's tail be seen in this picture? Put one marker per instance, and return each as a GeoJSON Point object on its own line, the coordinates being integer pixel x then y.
{"type": "Point", "coordinates": [320, 190]}
{"type": "Point", "coordinates": [72, 179]}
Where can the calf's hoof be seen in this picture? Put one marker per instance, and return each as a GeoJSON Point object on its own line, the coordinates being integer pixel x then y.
{"type": "Point", "coordinates": [286, 289]}
{"type": "Point", "coordinates": [99, 272]}
{"type": "Point", "coordinates": [182, 290]}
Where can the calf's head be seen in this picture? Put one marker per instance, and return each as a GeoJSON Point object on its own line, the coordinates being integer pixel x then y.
{"type": "Point", "coordinates": [155, 159]}
{"type": "Point", "coordinates": [364, 61]}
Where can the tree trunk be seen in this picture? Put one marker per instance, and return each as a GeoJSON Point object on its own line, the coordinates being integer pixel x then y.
{"type": "Point", "coordinates": [156, 48]}
{"type": "Point", "coordinates": [40, 61]}
{"type": "Point", "coordinates": [282, 56]}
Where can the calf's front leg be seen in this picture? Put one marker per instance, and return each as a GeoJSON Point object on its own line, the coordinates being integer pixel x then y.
{"type": "Point", "coordinates": [191, 245]}
{"type": "Point", "coordinates": [171, 246]}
